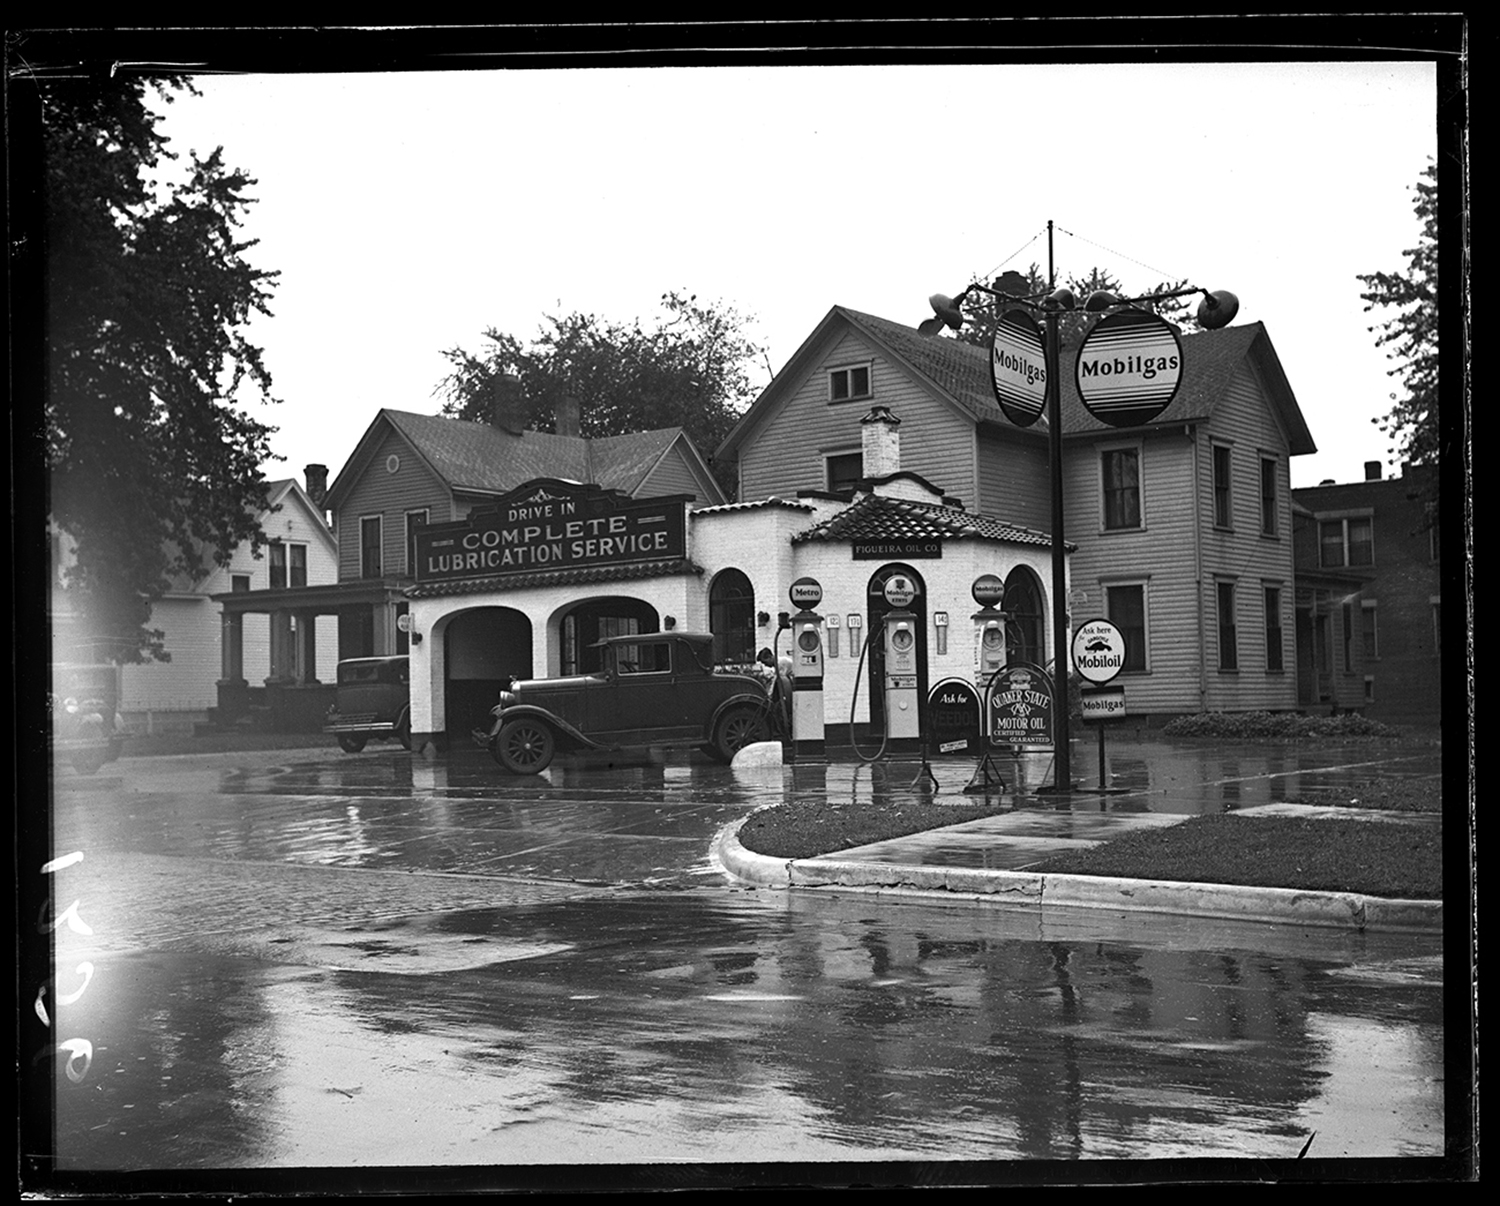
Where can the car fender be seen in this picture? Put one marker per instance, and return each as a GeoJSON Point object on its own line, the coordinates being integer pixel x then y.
{"type": "Point", "coordinates": [759, 702]}
{"type": "Point", "coordinates": [512, 711]}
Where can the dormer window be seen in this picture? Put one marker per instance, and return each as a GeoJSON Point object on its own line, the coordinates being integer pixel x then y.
{"type": "Point", "coordinates": [849, 384]}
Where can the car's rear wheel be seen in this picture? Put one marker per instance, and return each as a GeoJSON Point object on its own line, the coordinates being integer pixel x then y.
{"type": "Point", "coordinates": [352, 743]}
{"type": "Point", "coordinates": [738, 728]}
{"type": "Point", "coordinates": [524, 746]}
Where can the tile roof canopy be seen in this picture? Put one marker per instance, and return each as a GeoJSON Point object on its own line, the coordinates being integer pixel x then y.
{"type": "Point", "coordinates": [481, 459]}
{"type": "Point", "coordinates": [874, 518]}
{"type": "Point", "coordinates": [961, 372]}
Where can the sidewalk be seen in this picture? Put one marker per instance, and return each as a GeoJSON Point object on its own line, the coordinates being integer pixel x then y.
{"type": "Point", "coordinates": [1151, 785]}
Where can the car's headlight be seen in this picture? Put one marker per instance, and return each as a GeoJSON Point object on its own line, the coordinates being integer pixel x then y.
{"type": "Point", "coordinates": [508, 699]}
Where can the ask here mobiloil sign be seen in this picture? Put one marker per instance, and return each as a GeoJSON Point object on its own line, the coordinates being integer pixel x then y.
{"type": "Point", "coordinates": [547, 524]}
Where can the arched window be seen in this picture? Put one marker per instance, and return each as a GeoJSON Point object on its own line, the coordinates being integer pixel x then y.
{"type": "Point", "coordinates": [1023, 629]}
{"type": "Point", "coordinates": [731, 618]}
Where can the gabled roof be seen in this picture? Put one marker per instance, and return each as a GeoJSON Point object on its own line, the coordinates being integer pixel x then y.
{"type": "Point", "coordinates": [875, 517]}
{"type": "Point", "coordinates": [960, 374]}
{"type": "Point", "coordinates": [477, 458]}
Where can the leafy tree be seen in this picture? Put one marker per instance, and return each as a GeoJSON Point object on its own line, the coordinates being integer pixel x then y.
{"type": "Point", "coordinates": [690, 370]}
{"type": "Point", "coordinates": [154, 468]}
{"type": "Point", "coordinates": [1411, 333]}
{"type": "Point", "coordinates": [982, 312]}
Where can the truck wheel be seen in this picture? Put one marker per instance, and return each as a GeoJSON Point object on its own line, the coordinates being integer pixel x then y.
{"type": "Point", "coordinates": [352, 743]}
{"type": "Point", "coordinates": [738, 728]}
{"type": "Point", "coordinates": [524, 746]}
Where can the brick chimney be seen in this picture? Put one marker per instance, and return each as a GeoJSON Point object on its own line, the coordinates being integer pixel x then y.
{"type": "Point", "coordinates": [569, 416]}
{"type": "Point", "coordinates": [880, 443]}
{"type": "Point", "coordinates": [1372, 471]}
{"type": "Point", "coordinates": [506, 402]}
{"type": "Point", "coordinates": [317, 483]}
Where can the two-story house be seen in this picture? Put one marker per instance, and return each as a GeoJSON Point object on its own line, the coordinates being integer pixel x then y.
{"type": "Point", "coordinates": [1369, 597]}
{"type": "Point", "coordinates": [205, 645]}
{"type": "Point", "coordinates": [1182, 526]}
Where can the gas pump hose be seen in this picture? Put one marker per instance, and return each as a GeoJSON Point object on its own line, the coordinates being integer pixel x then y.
{"type": "Point", "coordinates": [854, 703]}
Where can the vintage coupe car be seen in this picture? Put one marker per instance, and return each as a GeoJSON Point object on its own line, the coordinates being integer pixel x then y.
{"type": "Point", "coordinates": [655, 689]}
{"type": "Point", "coordinates": [373, 699]}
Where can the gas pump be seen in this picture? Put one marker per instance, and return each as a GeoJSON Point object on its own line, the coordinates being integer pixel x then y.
{"type": "Point", "coordinates": [902, 698]}
{"type": "Point", "coordinates": [807, 668]}
{"type": "Point", "coordinates": [989, 629]}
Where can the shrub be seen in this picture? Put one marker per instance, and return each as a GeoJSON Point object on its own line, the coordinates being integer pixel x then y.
{"type": "Point", "coordinates": [1260, 725]}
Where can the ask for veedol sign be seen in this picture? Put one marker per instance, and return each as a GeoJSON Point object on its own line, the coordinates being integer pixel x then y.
{"type": "Point", "coordinates": [547, 525]}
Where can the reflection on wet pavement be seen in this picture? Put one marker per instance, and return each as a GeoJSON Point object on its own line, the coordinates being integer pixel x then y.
{"type": "Point", "coordinates": [379, 960]}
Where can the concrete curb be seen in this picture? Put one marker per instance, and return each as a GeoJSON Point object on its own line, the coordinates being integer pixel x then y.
{"type": "Point", "coordinates": [1346, 910]}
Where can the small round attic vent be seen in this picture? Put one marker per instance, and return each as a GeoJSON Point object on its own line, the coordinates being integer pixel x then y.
{"type": "Point", "coordinates": [392, 463]}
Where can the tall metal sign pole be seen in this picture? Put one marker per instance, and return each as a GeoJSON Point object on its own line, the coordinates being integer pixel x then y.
{"type": "Point", "coordinates": [1062, 771]}
{"type": "Point", "coordinates": [1128, 370]}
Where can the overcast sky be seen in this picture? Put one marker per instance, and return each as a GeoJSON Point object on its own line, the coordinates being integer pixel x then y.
{"type": "Point", "coordinates": [408, 212]}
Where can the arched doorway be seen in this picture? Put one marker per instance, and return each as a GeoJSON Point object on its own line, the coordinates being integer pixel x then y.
{"type": "Point", "coordinates": [876, 608]}
{"type": "Point", "coordinates": [590, 622]}
{"type": "Point", "coordinates": [1024, 625]}
{"type": "Point", "coordinates": [482, 649]}
{"type": "Point", "coordinates": [731, 618]}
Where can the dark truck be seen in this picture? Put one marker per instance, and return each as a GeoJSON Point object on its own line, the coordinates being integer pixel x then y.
{"type": "Point", "coordinates": [654, 689]}
{"type": "Point", "coordinates": [373, 699]}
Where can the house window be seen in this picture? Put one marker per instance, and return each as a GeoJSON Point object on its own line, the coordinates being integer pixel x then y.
{"type": "Point", "coordinates": [1348, 541]}
{"type": "Point", "coordinates": [847, 384]}
{"type": "Point", "coordinates": [1229, 656]}
{"type": "Point", "coordinates": [1126, 605]}
{"type": "Point", "coordinates": [1369, 688]}
{"type": "Point", "coordinates": [1223, 514]}
{"type": "Point", "coordinates": [1369, 638]}
{"type": "Point", "coordinates": [239, 583]}
{"type": "Point", "coordinates": [278, 565]}
{"type": "Point", "coordinates": [1268, 501]}
{"type": "Point", "coordinates": [369, 547]}
{"type": "Point", "coordinates": [1122, 488]}
{"type": "Point", "coordinates": [297, 564]}
{"type": "Point", "coordinates": [1274, 660]}
{"type": "Point", "coordinates": [845, 471]}
{"type": "Point", "coordinates": [414, 521]}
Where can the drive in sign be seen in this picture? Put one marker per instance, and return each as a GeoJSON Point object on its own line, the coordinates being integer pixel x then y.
{"type": "Point", "coordinates": [1098, 651]}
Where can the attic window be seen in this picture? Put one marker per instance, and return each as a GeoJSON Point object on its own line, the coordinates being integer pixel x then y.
{"type": "Point", "coordinates": [848, 384]}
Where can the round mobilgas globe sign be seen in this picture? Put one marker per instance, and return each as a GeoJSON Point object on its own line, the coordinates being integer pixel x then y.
{"type": "Point", "coordinates": [806, 592]}
{"type": "Point", "coordinates": [1098, 651]}
{"type": "Point", "coordinates": [1129, 368]}
{"type": "Point", "coordinates": [987, 590]}
{"type": "Point", "coordinates": [899, 590]}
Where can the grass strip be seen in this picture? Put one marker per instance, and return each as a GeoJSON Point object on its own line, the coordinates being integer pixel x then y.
{"type": "Point", "coordinates": [1373, 858]}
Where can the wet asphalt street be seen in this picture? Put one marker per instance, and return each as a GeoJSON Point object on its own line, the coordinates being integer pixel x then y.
{"type": "Point", "coordinates": [308, 959]}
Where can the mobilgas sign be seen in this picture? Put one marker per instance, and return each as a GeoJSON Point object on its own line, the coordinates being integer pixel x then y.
{"type": "Point", "coordinates": [1018, 368]}
{"type": "Point", "coordinates": [547, 525]}
{"type": "Point", "coordinates": [1129, 368]}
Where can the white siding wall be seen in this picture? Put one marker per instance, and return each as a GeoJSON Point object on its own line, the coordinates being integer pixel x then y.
{"type": "Point", "coordinates": [390, 495]}
{"type": "Point", "coordinates": [786, 451]}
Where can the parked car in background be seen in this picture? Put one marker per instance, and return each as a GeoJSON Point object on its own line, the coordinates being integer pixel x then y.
{"type": "Point", "coordinates": [86, 728]}
{"type": "Point", "coordinates": [373, 699]}
{"type": "Point", "coordinates": [655, 689]}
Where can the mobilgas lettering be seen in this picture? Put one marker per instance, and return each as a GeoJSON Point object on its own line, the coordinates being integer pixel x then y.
{"type": "Point", "coordinates": [1145, 366]}
{"type": "Point", "coordinates": [1020, 366]}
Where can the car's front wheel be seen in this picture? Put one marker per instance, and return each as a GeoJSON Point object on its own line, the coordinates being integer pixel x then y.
{"type": "Point", "coordinates": [352, 743]}
{"type": "Point", "coordinates": [524, 746]}
{"type": "Point", "coordinates": [738, 728]}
